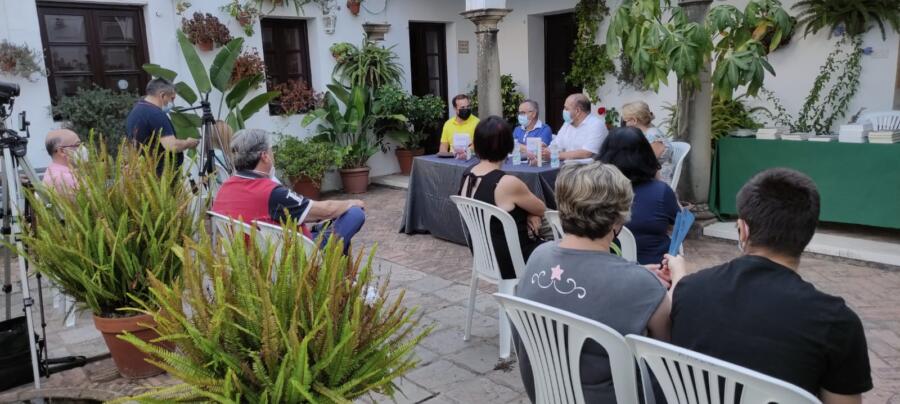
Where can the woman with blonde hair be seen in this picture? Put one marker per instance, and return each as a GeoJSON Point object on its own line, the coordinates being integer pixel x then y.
{"type": "Point", "coordinates": [638, 115]}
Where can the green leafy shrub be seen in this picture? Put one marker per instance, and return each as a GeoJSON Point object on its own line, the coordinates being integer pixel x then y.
{"type": "Point", "coordinates": [305, 158]}
{"type": "Point", "coordinates": [278, 327]}
{"type": "Point", "coordinates": [423, 115]}
{"type": "Point", "coordinates": [103, 242]}
{"type": "Point", "coordinates": [590, 62]}
{"type": "Point", "coordinates": [510, 97]}
{"type": "Point", "coordinates": [100, 109]}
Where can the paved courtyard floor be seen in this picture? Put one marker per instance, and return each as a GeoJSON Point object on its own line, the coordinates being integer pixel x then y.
{"type": "Point", "coordinates": [435, 276]}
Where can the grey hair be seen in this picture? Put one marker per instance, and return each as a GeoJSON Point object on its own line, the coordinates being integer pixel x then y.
{"type": "Point", "coordinates": [160, 85]}
{"type": "Point", "coordinates": [52, 144]}
{"type": "Point", "coordinates": [592, 199]}
{"type": "Point", "coordinates": [248, 146]}
{"type": "Point", "coordinates": [582, 102]}
{"type": "Point", "coordinates": [534, 106]}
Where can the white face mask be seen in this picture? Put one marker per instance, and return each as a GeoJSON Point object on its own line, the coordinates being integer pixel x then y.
{"type": "Point", "coordinates": [82, 153]}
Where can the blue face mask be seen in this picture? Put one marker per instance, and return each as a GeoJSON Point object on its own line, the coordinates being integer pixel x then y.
{"type": "Point", "coordinates": [567, 117]}
{"type": "Point", "coordinates": [523, 120]}
{"type": "Point", "coordinates": [168, 107]}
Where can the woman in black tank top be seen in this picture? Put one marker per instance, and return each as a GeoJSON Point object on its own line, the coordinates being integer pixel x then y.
{"type": "Point", "coordinates": [486, 182]}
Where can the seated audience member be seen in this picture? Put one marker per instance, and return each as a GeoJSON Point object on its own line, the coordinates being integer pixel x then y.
{"type": "Point", "coordinates": [250, 194]}
{"type": "Point", "coordinates": [655, 205]}
{"type": "Point", "coordinates": [582, 133]}
{"type": "Point", "coordinates": [757, 312]}
{"type": "Point", "coordinates": [486, 182]}
{"type": "Point", "coordinates": [637, 114]}
{"type": "Point", "coordinates": [62, 146]}
{"type": "Point", "coordinates": [579, 275]}
{"type": "Point", "coordinates": [530, 126]}
{"type": "Point", "coordinates": [463, 124]}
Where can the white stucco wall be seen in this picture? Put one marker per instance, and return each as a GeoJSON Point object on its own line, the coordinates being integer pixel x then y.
{"type": "Point", "coordinates": [521, 54]}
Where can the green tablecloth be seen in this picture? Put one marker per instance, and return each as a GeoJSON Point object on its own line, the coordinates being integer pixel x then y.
{"type": "Point", "coordinates": [858, 183]}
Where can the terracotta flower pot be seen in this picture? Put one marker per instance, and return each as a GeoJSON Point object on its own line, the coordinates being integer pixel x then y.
{"type": "Point", "coordinates": [355, 180]}
{"type": "Point", "coordinates": [306, 187]}
{"type": "Point", "coordinates": [405, 159]}
{"type": "Point", "coordinates": [353, 6]}
{"type": "Point", "coordinates": [128, 359]}
{"type": "Point", "coordinates": [205, 46]}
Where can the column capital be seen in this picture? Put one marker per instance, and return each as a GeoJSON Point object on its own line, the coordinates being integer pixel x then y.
{"type": "Point", "coordinates": [486, 19]}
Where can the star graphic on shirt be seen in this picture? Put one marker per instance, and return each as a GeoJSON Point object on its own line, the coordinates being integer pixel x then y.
{"type": "Point", "coordinates": [556, 273]}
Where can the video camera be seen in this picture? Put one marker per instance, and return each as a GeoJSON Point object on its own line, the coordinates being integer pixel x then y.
{"type": "Point", "coordinates": [10, 138]}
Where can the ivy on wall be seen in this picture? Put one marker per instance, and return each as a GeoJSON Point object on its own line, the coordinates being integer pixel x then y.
{"type": "Point", "coordinates": [590, 62]}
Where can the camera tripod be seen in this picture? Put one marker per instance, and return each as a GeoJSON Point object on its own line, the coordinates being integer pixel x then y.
{"type": "Point", "coordinates": [206, 183]}
{"type": "Point", "coordinates": [15, 213]}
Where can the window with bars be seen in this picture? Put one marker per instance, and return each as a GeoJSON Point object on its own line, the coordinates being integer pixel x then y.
{"type": "Point", "coordinates": [286, 54]}
{"type": "Point", "coordinates": [84, 44]}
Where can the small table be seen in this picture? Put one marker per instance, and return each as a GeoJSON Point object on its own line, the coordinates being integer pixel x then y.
{"type": "Point", "coordinates": [857, 183]}
{"type": "Point", "coordinates": [432, 181]}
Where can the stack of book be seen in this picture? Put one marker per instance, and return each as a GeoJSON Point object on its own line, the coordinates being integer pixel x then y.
{"type": "Point", "coordinates": [822, 138]}
{"type": "Point", "coordinates": [771, 133]}
{"type": "Point", "coordinates": [854, 133]}
{"type": "Point", "coordinates": [795, 136]}
{"type": "Point", "coordinates": [885, 137]}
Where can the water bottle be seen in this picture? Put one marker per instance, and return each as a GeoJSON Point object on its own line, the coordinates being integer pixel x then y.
{"type": "Point", "coordinates": [554, 156]}
{"type": "Point", "coordinates": [516, 155]}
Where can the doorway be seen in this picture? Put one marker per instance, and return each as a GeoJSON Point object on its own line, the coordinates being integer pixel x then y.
{"type": "Point", "coordinates": [428, 66]}
{"type": "Point", "coordinates": [559, 40]}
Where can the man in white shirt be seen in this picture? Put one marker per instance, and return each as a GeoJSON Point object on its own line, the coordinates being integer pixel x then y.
{"type": "Point", "coordinates": [582, 134]}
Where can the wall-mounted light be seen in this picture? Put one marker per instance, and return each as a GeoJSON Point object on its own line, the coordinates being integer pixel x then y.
{"type": "Point", "coordinates": [329, 21]}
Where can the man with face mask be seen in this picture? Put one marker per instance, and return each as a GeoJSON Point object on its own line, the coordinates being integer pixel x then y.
{"type": "Point", "coordinates": [582, 133]}
{"type": "Point", "coordinates": [63, 146]}
{"type": "Point", "coordinates": [463, 123]}
{"type": "Point", "coordinates": [530, 126]}
{"type": "Point", "coordinates": [148, 123]}
{"type": "Point", "coordinates": [251, 194]}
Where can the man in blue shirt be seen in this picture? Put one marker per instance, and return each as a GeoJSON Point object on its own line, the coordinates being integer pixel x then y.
{"type": "Point", "coordinates": [530, 126]}
{"type": "Point", "coordinates": [148, 123]}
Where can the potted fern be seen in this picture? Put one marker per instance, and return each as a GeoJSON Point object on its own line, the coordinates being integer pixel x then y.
{"type": "Point", "coordinates": [103, 241]}
{"type": "Point", "coordinates": [304, 163]}
{"type": "Point", "coordinates": [278, 324]}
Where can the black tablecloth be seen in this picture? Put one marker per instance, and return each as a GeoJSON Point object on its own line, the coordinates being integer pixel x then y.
{"type": "Point", "coordinates": [433, 179]}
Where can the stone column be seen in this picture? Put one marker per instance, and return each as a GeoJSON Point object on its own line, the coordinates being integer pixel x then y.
{"type": "Point", "coordinates": [486, 21]}
{"type": "Point", "coordinates": [695, 122]}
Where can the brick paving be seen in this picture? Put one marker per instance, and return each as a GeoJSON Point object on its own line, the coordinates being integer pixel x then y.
{"type": "Point", "coordinates": [435, 275]}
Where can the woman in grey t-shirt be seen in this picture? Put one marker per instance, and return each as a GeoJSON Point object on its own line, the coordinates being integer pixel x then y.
{"type": "Point", "coordinates": [579, 275]}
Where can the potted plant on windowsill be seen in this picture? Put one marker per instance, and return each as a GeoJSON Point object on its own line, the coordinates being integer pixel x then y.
{"type": "Point", "coordinates": [205, 31]}
{"type": "Point", "coordinates": [304, 163]}
{"type": "Point", "coordinates": [103, 241]}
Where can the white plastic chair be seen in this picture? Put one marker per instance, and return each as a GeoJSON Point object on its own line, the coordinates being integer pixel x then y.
{"type": "Point", "coordinates": [272, 233]}
{"type": "Point", "coordinates": [477, 216]}
{"type": "Point", "coordinates": [686, 376]}
{"type": "Point", "coordinates": [224, 227]}
{"type": "Point", "coordinates": [885, 120]}
{"type": "Point", "coordinates": [679, 152]}
{"type": "Point", "coordinates": [626, 238]}
{"type": "Point", "coordinates": [547, 332]}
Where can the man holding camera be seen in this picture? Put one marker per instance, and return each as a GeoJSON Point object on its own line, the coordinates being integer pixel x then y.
{"type": "Point", "coordinates": [148, 122]}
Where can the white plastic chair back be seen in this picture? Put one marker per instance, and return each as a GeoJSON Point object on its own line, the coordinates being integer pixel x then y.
{"type": "Point", "coordinates": [552, 217]}
{"type": "Point", "coordinates": [886, 120]}
{"type": "Point", "coordinates": [686, 376]}
{"type": "Point", "coordinates": [221, 173]}
{"type": "Point", "coordinates": [224, 227]}
{"type": "Point", "coordinates": [553, 340]}
{"type": "Point", "coordinates": [477, 217]}
{"type": "Point", "coordinates": [629, 246]}
{"type": "Point", "coordinates": [273, 234]}
{"type": "Point", "coordinates": [679, 152]}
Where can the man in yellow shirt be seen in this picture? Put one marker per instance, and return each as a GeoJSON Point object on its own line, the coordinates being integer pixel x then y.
{"type": "Point", "coordinates": [463, 123]}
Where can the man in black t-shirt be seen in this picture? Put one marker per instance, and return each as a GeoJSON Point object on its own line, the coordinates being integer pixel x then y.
{"type": "Point", "coordinates": [147, 123]}
{"type": "Point", "coordinates": [757, 312]}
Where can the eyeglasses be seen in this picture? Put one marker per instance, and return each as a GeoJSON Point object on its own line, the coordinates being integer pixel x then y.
{"type": "Point", "coordinates": [525, 112]}
{"type": "Point", "coordinates": [70, 146]}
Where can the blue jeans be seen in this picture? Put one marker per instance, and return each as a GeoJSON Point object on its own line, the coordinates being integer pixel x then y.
{"type": "Point", "coordinates": [345, 227]}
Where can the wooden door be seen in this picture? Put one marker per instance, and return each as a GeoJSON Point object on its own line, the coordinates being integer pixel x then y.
{"type": "Point", "coordinates": [559, 40]}
{"type": "Point", "coordinates": [428, 62]}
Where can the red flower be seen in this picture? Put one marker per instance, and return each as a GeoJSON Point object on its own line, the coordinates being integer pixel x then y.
{"type": "Point", "coordinates": [601, 111]}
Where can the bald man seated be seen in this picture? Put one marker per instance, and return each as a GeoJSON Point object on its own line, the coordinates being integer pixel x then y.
{"type": "Point", "coordinates": [582, 134]}
{"type": "Point", "coordinates": [62, 146]}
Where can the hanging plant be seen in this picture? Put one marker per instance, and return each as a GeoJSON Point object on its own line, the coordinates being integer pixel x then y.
{"type": "Point", "coordinates": [248, 64]}
{"type": "Point", "coordinates": [246, 15]}
{"type": "Point", "coordinates": [19, 60]}
{"type": "Point", "coordinates": [205, 31]}
{"type": "Point", "coordinates": [855, 17]}
{"type": "Point", "coordinates": [590, 62]}
{"type": "Point", "coordinates": [181, 6]}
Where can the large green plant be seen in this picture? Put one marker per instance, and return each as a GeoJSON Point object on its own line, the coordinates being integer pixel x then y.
{"type": "Point", "coordinates": [347, 119]}
{"type": "Point", "coordinates": [423, 114]}
{"type": "Point", "coordinates": [100, 109]}
{"type": "Point", "coordinates": [278, 327]}
{"type": "Point", "coordinates": [305, 158]}
{"type": "Point", "coordinates": [654, 47]}
{"type": "Point", "coordinates": [510, 97]}
{"type": "Point", "coordinates": [854, 16]}
{"type": "Point", "coordinates": [103, 241]}
{"type": "Point", "coordinates": [590, 63]}
{"type": "Point", "coordinates": [367, 65]}
{"type": "Point", "coordinates": [217, 77]}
